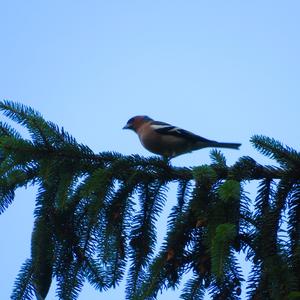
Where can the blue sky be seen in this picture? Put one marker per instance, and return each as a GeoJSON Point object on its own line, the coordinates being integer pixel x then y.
{"type": "Point", "coordinates": [223, 69]}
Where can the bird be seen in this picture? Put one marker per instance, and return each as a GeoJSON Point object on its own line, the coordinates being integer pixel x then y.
{"type": "Point", "coordinates": [170, 141]}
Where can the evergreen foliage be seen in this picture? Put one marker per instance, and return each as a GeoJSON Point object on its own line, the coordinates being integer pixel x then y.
{"type": "Point", "coordinates": [95, 214]}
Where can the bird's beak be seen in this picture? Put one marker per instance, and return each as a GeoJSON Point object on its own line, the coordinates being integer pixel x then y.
{"type": "Point", "coordinates": [127, 126]}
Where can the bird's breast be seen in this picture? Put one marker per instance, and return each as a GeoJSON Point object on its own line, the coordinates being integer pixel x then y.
{"type": "Point", "coordinates": [166, 145]}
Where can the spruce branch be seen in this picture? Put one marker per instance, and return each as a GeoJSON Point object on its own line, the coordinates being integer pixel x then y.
{"type": "Point", "coordinates": [95, 213]}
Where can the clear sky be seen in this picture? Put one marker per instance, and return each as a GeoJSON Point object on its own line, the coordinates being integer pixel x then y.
{"type": "Point", "coordinates": [223, 69]}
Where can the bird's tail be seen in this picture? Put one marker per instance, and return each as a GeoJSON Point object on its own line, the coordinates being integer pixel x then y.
{"type": "Point", "coordinates": [226, 145]}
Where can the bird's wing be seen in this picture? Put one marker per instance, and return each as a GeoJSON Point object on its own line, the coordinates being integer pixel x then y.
{"type": "Point", "coordinates": [167, 129]}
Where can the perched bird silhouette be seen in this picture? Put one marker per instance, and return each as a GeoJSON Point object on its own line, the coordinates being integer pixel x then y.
{"type": "Point", "coordinates": [168, 140]}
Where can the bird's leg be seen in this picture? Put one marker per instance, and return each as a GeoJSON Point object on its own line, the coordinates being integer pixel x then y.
{"type": "Point", "coordinates": [166, 159]}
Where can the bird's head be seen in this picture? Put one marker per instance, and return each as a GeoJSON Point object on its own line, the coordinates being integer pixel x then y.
{"type": "Point", "coordinates": [135, 122]}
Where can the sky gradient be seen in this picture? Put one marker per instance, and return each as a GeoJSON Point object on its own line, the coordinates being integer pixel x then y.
{"type": "Point", "coordinates": [225, 70]}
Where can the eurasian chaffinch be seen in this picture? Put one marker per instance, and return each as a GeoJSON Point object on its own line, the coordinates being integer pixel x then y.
{"type": "Point", "coordinates": [168, 140]}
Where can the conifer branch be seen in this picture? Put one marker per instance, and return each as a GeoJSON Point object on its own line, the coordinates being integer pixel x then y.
{"type": "Point", "coordinates": [88, 224]}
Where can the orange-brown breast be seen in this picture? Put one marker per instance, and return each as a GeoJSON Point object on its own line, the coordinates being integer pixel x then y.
{"type": "Point", "coordinates": [166, 145]}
